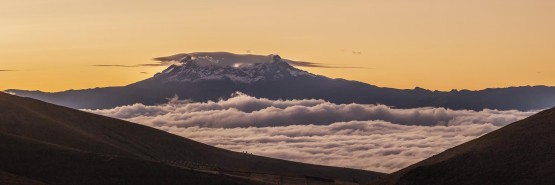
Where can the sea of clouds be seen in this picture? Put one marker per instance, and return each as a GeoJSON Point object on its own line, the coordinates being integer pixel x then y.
{"type": "Point", "coordinates": [372, 137]}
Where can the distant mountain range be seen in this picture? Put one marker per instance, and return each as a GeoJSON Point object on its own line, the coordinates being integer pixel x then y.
{"type": "Point", "coordinates": [211, 76]}
{"type": "Point", "coordinates": [43, 143]}
{"type": "Point", "coordinates": [520, 153]}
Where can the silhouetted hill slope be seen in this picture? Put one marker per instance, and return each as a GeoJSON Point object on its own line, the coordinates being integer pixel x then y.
{"type": "Point", "coordinates": [55, 164]}
{"type": "Point", "coordinates": [520, 153]}
{"type": "Point", "coordinates": [12, 179]}
{"type": "Point", "coordinates": [211, 76]}
{"type": "Point", "coordinates": [63, 127]}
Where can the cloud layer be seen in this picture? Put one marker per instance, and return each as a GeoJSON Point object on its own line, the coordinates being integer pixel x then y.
{"type": "Point", "coordinates": [372, 137]}
{"type": "Point", "coordinates": [372, 145]}
{"type": "Point", "coordinates": [246, 111]}
{"type": "Point", "coordinates": [224, 58]}
{"type": "Point", "coordinates": [162, 63]}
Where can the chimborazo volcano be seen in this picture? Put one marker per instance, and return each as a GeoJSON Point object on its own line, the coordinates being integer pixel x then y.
{"type": "Point", "coordinates": [215, 75]}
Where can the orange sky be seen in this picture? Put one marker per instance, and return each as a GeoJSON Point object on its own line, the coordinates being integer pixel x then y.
{"type": "Point", "coordinates": [434, 44]}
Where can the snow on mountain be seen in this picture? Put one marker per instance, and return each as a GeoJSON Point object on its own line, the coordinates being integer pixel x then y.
{"type": "Point", "coordinates": [219, 65]}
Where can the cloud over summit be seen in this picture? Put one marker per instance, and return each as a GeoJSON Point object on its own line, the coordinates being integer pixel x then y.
{"type": "Point", "coordinates": [229, 59]}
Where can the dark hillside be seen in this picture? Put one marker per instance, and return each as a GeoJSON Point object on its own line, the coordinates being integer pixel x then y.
{"type": "Point", "coordinates": [520, 153]}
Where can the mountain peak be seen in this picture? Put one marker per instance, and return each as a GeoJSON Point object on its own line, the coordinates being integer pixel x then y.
{"type": "Point", "coordinates": [219, 66]}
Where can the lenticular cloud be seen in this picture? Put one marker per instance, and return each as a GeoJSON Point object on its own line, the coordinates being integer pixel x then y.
{"type": "Point", "coordinates": [364, 136]}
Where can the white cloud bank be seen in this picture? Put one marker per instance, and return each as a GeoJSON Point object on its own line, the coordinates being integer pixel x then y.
{"type": "Point", "coordinates": [372, 137]}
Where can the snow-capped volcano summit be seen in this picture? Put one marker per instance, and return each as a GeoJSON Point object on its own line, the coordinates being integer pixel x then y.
{"type": "Point", "coordinates": [219, 66]}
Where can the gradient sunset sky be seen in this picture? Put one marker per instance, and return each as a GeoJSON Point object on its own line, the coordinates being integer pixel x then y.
{"type": "Point", "coordinates": [51, 45]}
